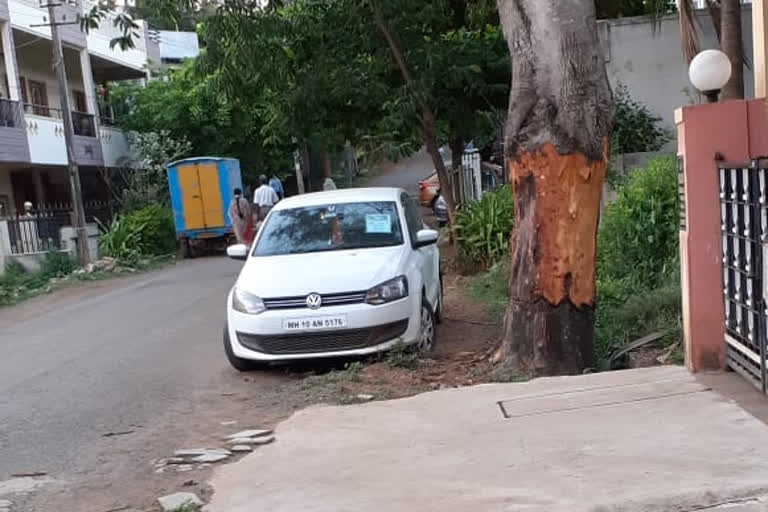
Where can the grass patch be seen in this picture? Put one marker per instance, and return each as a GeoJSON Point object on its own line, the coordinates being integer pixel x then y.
{"type": "Point", "coordinates": [335, 379]}
{"type": "Point", "coordinates": [626, 313]}
{"type": "Point", "coordinates": [58, 270]}
{"type": "Point", "coordinates": [403, 356]}
{"type": "Point", "coordinates": [491, 287]}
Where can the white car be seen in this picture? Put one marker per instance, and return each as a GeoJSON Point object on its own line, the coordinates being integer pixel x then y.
{"type": "Point", "coordinates": [335, 274]}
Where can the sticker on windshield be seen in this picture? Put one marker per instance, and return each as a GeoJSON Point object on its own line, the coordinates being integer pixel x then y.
{"type": "Point", "coordinates": [378, 223]}
{"type": "Point", "coordinates": [330, 212]}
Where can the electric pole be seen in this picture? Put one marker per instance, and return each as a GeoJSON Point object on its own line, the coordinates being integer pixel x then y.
{"type": "Point", "coordinates": [69, 136]}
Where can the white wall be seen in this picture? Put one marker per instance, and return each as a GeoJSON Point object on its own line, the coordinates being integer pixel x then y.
{"type": "Point", "coordinates": [46, 140]}
{"type": "Point", "coordinates": [113, 145]}
{"type": "Point", "coordinates": [652, 66]}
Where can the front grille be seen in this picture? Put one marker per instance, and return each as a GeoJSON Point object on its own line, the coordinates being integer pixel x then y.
{"type": "Point", "coordinates": [329, 341]}
{"type": "Point", "coordinates": [330, 299]}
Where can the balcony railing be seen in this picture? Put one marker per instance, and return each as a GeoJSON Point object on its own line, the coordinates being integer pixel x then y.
{"type": "Point", "coordinates": [84, 124]}
{"type": "Point", "coordinates": [10, 114]}
{"type": "Point", "coordinates": [42, 110]}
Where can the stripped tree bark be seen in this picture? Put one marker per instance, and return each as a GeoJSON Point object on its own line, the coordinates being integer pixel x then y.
{"type": "Point", "coordinates": [557, 139]}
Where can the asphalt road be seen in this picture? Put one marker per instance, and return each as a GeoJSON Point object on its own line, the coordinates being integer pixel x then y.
{"type": "Point", "coordinates": [138, 354]}
{"type": "Point", "coordinates": [406, 173]}
{"type": "Point", "coordinates": [83, 366]}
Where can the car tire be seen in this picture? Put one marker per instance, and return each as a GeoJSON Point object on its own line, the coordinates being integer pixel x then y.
{"type": "Point", "coordinates": [427, 334]}
{"type": "Point", "coordinates": [238, 363]}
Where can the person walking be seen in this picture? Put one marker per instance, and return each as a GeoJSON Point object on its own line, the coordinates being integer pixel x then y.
{"type": "Point", "coordinates": [264, 198]}
{"type": "Point", "coordinates": [242, 218]}
{"type": "Point", "coordinates": [328, 184]}
{"type": "Point", "coordinates": [277, 186]}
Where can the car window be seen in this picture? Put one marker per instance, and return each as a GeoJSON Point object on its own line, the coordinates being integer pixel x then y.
{"type": "Point", "coordinates": [412, 216]}
{"type": "Point", "coordinates": [330, 227]}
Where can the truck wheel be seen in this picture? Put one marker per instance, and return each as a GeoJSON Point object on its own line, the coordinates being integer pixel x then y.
{"type": "Point", "coordinates": [186, 249]}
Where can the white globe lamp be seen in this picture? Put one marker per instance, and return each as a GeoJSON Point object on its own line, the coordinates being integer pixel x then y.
{"type": "Point", "coordinates": [709, 71]}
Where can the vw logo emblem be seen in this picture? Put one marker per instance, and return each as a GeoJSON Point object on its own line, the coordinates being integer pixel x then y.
{"type": "Point", "coordinates": [314, 301]}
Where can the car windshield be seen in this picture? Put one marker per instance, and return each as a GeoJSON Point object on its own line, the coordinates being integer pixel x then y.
{"type": "Point", "coordinates": [330, 227]}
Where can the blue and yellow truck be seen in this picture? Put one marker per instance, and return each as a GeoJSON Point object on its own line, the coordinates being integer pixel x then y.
{"type": "Point", "coordinates": [201, 190]}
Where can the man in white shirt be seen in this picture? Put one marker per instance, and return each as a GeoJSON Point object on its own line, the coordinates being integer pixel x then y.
{"type": "Point", "coordinates": [264, 198]}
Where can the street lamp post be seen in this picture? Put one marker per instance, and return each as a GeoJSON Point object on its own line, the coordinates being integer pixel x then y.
{"type": "Point", "coordinates": [709, 71]}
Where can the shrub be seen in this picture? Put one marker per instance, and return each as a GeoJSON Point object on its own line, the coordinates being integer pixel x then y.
{"type": "Point", "coordinates": [57, 264]}
{"type": "Point", "coordinates": [483, 228]}
{"type": "Point", "coordinates": [155, 223]}
{"type": "Point", "coordinates": [638, 287]}
{"type": "Point", "coordinates": [120, 240]}
{"type": "Point", "coordinates": [638, 237]}
{"type": "Point", "coordinates": [635, 128]}
{"type": "Point", "coordinates": [632, 313]}
{"type": "Point", "coordinates": [145, 232]}
{"type": "Point", "coordinates": [17, 284]}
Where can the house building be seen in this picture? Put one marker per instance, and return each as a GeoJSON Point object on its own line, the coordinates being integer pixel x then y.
{"type": "Point", "coordinates": [33, 156]}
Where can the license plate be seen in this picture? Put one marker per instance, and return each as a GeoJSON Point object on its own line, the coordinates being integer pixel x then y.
{"type": "Point", "coordinates": [315, 323]}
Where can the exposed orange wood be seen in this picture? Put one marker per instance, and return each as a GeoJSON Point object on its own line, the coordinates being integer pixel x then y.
{"type": "Point", "coordinates": [567, 208]}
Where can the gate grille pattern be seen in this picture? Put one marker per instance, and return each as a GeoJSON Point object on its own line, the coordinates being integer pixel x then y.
{"type": "Point", "coordinates": [743, 226]}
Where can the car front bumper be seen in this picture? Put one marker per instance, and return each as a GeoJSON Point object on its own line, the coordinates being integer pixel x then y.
{"type": "Point", "coordinates": [370, 329]}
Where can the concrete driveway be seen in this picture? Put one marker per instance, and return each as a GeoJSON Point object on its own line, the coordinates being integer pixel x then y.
{"type": "Point", "coordinates": [641, 440]}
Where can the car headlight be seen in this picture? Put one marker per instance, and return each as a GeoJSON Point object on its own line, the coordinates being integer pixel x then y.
{"type": "Point", "coordinates": [247, 303]}
{"type": "Point", "coordinates": [391, 290]}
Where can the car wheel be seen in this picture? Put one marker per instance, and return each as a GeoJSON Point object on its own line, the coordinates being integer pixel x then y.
{"type": "Point", "coordinates": [427, 327]}
{"type": "Point", "coordinates": [238, 363]}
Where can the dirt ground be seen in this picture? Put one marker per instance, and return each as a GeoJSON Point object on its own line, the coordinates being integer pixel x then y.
{"type": "Point", "coordinates": [126, 477]}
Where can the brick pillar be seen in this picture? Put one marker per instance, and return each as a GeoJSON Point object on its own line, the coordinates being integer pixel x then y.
{"type": "Point", "coordinates": [704, 131]}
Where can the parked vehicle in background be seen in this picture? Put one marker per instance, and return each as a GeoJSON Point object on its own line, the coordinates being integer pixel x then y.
{"type": "Point", "coordinates": [428, 188]}
{"type": "Point", "coordinates": [335, 274]}
{"type": "Point", "coordinates": [440, 210]}
{"type": "Point", "coordinates": [201, 190]}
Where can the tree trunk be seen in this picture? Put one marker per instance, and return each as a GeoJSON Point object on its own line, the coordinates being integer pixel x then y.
{"type": "Point", "coordinates": [732, 46]}
{"type": "Point", "coordinates": [306, 165]}
{"type": "Point", "coordinates": [298, 159]}
{"type": "Point", "coordinates": [327, 171]}
{"type": "Point", "coordinates": [430, 141]}
{"type": "Point", "coordinates": [557, 133]}
{"type": "Point", "coordinates": [429, 132]}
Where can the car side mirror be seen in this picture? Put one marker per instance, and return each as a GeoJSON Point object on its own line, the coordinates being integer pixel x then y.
{"type": "Point", "coordinates": [238, 252]}
{"type": "Point", "coordinates": [426, 237]}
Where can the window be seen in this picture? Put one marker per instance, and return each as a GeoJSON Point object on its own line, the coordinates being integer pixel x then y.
{"type": "Point", "coordinates": [39, 96]}
{"type": "Point", "coordinates": [331, 227]}
{"type": "Point", "coordinates": [80, 103]}
{"type": "Point", "coordinates": [412, 216]}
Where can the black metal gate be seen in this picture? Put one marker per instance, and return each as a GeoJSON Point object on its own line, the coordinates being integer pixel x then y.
{"type": "Point", "coordinates": [743, 228]}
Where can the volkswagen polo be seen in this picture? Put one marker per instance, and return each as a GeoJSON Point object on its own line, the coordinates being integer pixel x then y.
{"type": "Point", "coordinates": [342, 273]}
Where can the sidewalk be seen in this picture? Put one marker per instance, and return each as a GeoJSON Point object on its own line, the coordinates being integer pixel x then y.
{"type": "Point", "coordinates": [651, 440]}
